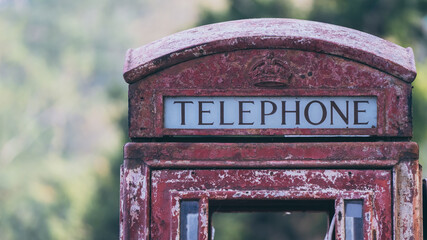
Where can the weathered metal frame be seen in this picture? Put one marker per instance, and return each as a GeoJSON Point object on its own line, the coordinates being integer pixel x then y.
{"type": "Point", "coordinates": [408, 219]}
{"type": "Point", "coordinates": [231, 195]}
{"type": "Point", "coordinates": [143, 158]}
{"type": "Point", "coordinates": [323, 60]}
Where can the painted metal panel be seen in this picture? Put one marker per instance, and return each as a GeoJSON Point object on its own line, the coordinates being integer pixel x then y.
{"type": "Point", "coordinates": [298, 60]}
{"type": "Point", "coordinates": [228, 75]}
{"type": "Point", "coordinates": [169, 187]}
{"type": "Point", "coordinates": [397, 158]}
{"type": "Point", "coordinates": [308, 60]}
{"type": "Point", "coordinates": [271, 33]}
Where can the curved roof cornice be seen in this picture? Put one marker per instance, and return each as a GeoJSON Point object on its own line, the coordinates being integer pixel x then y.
{"type": "Point", "coordinates": [274, 34]}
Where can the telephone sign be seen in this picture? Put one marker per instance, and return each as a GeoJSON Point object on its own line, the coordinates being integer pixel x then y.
{"type": "Point", "coordinates": [269, 112]}
{"type": "Point", "coordinates": [272, 116]}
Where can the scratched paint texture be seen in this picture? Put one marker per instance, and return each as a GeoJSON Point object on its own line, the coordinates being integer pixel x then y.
{"type": "Point", "coordinates": [354, 170]}
{"type": "Point", "coordinates": [268, 184]}
{"type": "Point", "coordinates": [295, 58]}
{"type": "Point", "coordinates": [270, 33]}
{"type": "Point", "coordinates": [270, 57]}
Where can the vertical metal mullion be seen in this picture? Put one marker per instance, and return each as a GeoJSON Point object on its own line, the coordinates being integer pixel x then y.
{"type": "Point", "coordinates": [204, 219]}
{"type": "Point", "coordinates": [339, 219]}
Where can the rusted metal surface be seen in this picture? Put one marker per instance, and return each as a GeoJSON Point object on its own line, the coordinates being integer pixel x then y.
{"type": "Point", "coordinates": [408, 221]}
{"type": "Point", "coordinates": [262, 155]}
{"type": "Point", "coordinates": [310, 59]}
{"type": "Point", "coordinates": [280, 177]}
{"type": "Point", "coordinates": [270, 58]}
{"type": "Point", "coordinates": [229, 74]}
{"type": "Point", "coordinates": [134, 201]}
{"type": "Point", "coordinates": [169, 186]}
{"type": "Point", "coordinates": [270, 33]}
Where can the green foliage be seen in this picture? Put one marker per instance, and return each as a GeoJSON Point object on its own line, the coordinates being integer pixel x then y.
{"type": "Point", "coordinates": [61, 123]}
{"type": "Point", "coordinates": [419, 102]}
{"type": "Point", "coordinates": [399, 20]}
{"type": "Point", "coordinates": [241, 9]}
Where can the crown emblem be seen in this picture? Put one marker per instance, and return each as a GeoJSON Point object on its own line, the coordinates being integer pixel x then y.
{"type": "Point", "coordinates": [270, 72]}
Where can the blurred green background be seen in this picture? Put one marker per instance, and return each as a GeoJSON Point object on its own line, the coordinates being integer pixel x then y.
{"type": "Point", "coordinates": [63, 101]}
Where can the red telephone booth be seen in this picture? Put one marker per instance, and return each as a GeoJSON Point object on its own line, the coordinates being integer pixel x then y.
{"type": "Point", "coordinates": [270, 115]}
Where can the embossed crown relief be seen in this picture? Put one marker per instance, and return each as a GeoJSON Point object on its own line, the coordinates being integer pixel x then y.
{"type": "Point", "coordinates": [270, 71]}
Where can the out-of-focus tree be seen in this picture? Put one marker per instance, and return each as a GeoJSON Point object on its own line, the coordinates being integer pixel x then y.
{"type": "Point", "coordinates": [62, 105]}
{"type": "Point", "coordinates": [241, 9]}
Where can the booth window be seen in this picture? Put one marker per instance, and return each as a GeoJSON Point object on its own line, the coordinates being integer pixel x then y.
{"type": "Point", "coordinates": [353, 220]}
{"type": "Point", "coordinates": [189, 220]}
{"type": "Point", "coordinates": [275, 219]}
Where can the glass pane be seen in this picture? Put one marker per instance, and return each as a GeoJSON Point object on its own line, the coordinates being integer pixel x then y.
{"type": "Point", "coordinates": [353, 220]}
{"type": "Point", "coordinates": [189, 220]}
{"type": "Point", "coordinates": [269, 225]}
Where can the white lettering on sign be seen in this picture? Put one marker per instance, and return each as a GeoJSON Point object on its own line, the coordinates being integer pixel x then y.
{"type": "Point", "coordinates": [269, 112]}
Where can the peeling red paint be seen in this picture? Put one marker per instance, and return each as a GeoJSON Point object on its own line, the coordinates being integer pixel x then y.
{"type": "Point", "coordinates": [269, 182]}
{"type": "Point", "coordinates": [227, 75]}
{"type": "Point", "coordinates": [281, 185]}
{"type": "Point", "coordinates": [317, 60]}
{"type": "Point", "coordinates": [269, 33]}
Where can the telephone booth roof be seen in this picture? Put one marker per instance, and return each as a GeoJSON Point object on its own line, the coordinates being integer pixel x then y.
{"type": "Point", "coordinates": [272, 34]}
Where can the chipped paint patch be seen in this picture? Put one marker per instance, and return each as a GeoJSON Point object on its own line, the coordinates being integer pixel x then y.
{"type": "Point", "coordinates": [245, 184]}
{"type": "Point", "coordinates": [137, 189]}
